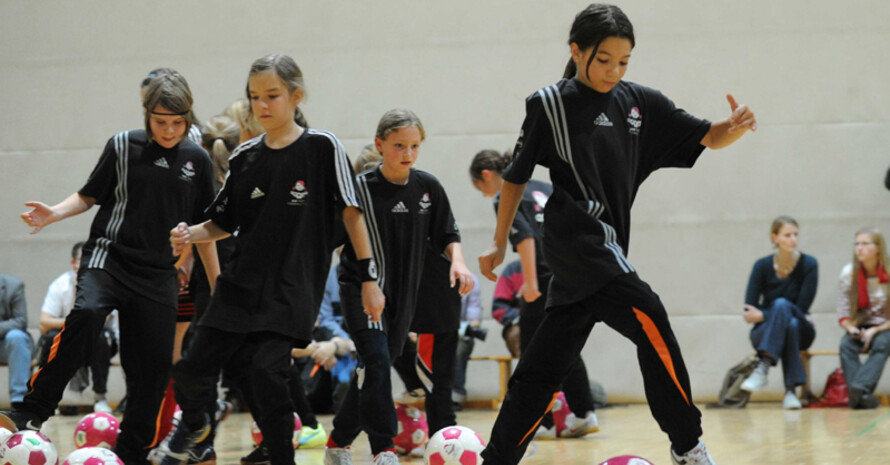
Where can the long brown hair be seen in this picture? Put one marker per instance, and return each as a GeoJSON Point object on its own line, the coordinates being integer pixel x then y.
{"type": "Point", "coordinates": [220, 137]}
{"type": "Point", "coordinates": [878, 238]}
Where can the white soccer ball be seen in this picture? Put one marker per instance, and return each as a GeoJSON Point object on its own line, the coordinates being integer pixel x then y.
{"type": "Point", "coordinates": [454, 445]}
{"type": "Point", "coordinates": [28, 448]}
{"type": "Point", "coordinates": [92, 456]}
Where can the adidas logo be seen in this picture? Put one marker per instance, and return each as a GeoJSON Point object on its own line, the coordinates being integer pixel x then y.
{"type": "Point", "coordinates": [400, 208]}
{"type": "Point", "coordinates": [257, 193]}
{"type": "Point", "coordinates": [162, 162]}
{"type": "Point", "coordinates": [602, 120]}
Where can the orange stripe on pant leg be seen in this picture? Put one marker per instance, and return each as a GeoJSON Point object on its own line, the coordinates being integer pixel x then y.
{"type": "Point", "coordinates": [549, 407]}
{"type": "Point", "coordinates": [164, 420]}
{"type": "Point", "coordinates": [660, 347]}
{"type": "Point", "coordinates": [52, 354]}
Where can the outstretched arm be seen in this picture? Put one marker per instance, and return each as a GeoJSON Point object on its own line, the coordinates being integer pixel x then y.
{"type": "Point", "coordinates": [724, 133]}
{"type": "Point", "coordinates": [511, 197]}
{"type": "Point", "coordinates": [42, 215]}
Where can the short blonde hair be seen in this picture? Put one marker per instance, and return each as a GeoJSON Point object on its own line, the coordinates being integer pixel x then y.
{"type": "Point", "coordinates": [396, 119]}
{"type": "Point", "coordinates": [239, 111]}
{"type": "Point", "coordinates": [368, 159]}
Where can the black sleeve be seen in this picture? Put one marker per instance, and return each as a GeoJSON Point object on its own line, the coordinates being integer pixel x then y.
{"type": "Point", "coordinates": [535, 143]}
{"type": "Point", "coordinates": [755, 286]}
{"type": "Point", "coordinates": [220, 210]}
{"type": "Point", "coordinates": [345, 194]}
{"type": "Point", "coordinates": [443, 227]}
{"type": "Point", "coordinates": [205, 189]}
{"type": "Point", "coordinates": [809, 284]}
{"type": "Point", "coordinates": [671, 136]}
{"type": "Point", "coordinates": [100, 185]}
{"type": "Point", "coordinates": [887, 179]}
{"type": "Point", "coordinates": [521, 229]}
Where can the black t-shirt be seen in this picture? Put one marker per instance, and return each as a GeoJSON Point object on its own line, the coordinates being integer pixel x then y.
{"type": "Point", "coordinates": [529, 220]}
{"type": "Point", "coordinates": [401, 219]}
{"type": "Point", "coordinates": [599, 148]}
{"type": "Point", "coordinates": [144, 190]}
{"type": "Point", "coordinates": [438, 304]}
{"type": "Point", "coordinates": [286, 206]}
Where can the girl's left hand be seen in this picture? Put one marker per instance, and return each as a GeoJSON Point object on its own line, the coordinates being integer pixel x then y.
{"type": "Point", "coordinates": [866, 338]}
{"type": "Point", "coordinates": [742, 118]}
{"type": "Point", "coordinates": [373, 300]}
{"type": "Point", "coordinates": [459, 272]}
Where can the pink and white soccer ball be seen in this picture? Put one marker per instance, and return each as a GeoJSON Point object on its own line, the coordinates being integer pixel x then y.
{"type": "Point", "coordinates": [4, 434]}
{"type": "Point", "coordinates": [28, 448]}
{"type": "Point", "coordinates": [96, 430]}
{"type": "Point", "coordinates": [454, 445]}
{"type": "Point", "coordinates": [626, 460]}
{"type": "Point", "coordinates": [92, 456]}
{"type": "Point", "coordinates": [414, 430]}
{"type": "Point", "coordinates": [257, 435]}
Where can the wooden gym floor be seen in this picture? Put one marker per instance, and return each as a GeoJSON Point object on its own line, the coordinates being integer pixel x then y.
{"type": "Point", "coordinates": [762, 433]}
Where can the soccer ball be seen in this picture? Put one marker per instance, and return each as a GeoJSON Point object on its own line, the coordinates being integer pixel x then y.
{"type": "Point", "coordinates": [413, 429]}
{"type": "Point", "coordinates": [96, 430]}
{"type": "Point", "coordinates": [4, 434]}
{"type": "Point", "coordinates": [560, 411]}
{"type": "Point", "coordinates": [454, 445]}
{"type": "Point", "coordinates": [257, 435]}
{"type": "Point", "coordinates": [92, 456]}
{"type": "Point", "coordinates": [626, 460]}
{"type": "Point", "coordinates": [28, 448]}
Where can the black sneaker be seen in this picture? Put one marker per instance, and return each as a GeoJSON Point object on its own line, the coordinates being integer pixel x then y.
{"type": "Point", "coordinates": [259, 456]}
{"type": "Point", "coordinates": [175, 448]}
{"type": "Point", "coordinates": [202, 454]}
{"type": "Point", "coordinates": [19, 420]}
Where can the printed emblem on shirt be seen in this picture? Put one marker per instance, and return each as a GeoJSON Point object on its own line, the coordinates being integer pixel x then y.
{"type": "Point", "coordinates": [257, 193]}
{"type": "Point", "coordinates": [540, 202]}
{"type": "Point", "coordinates": [400, 208]}
{"type": "Point", "coordinates": [517, 149]}
{"type": "Point", "coordinates": [188, 171]}
{"type": "Point", "coordinates": [634, 121]}
{"type": "Point", "coordinates": [162, 162]}
{"type": "Point", "coordinates": [425, 203]}
{"type": "Point", "coordinates": [602, 120]}
{"type": "Point", "coordinates": [298, 194]}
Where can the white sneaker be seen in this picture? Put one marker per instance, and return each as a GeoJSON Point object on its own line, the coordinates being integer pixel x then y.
{"type": "Point", "coordinates": [101, 406]}
{"type": "Point", "coordinates": [386, 458]}
{"type": "Point", "coordinates": [791, 402]}
{"type": "Point", "coordinates": [578, 427]}
{"type": "Point", "coordinates": [697, 456]}
{"type": "Point", "coordinates": [337, 456]}
{"type": "Point", "coordinates": [545, 434]}
{"type": "Point", "coordinates": [418, 452]}
{"type": "Point", "coordinates": [755, 382]}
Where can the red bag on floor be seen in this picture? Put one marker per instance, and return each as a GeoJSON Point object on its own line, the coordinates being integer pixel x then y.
{"type": "Point", "coordinates": [835, 392]}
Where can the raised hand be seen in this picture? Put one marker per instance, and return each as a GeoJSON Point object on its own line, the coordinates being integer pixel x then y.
{"type": "Point", "coordinates": [39, 216]}
{"type": "Point", "coordinates": [742, 117]}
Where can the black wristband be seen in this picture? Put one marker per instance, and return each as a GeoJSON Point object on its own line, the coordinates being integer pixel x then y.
{"type": "Point", "coordinates": [367, 269]}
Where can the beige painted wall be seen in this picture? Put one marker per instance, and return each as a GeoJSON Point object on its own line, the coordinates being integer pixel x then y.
{"type": "Point", "coordinates": [814, 72]}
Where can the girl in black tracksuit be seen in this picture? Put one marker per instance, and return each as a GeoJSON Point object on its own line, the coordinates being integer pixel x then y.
{"type": "Point", "coordinates": [284, 196]}
{"type": "Point", "coordinates": [405, 208]}
{"type": "Point", "coordinates": [601, 138]}
{"type": "Point", "coordinates": [146, 181]}
{"type": "Point", "coordinates": [526, 233]}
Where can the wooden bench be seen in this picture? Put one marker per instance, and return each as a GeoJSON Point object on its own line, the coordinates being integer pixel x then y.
{"type": "Point", "coordinates": [505, 365]}
{"type": "Point", "coordinates": [806, 355]}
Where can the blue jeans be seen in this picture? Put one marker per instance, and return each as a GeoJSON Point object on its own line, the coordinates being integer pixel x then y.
{"type": "Point", "coordinates": [864, 376]}
{"type": "Point", "coordinates": [16, 352]}
{"type": "Point", "coordinates": [782, 334]}
{"type": "Point", "coordinates": [464, 349]}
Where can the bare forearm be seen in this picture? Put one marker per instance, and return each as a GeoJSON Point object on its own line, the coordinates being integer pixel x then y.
{"type": "Point", "coordinates": [454, 252]}
{"type": "Point", "coordinates": [511, 197]}
{"type": "Point", "coordinates": [207, 231]}
{"type": "Point", "coordinates": [526, 250]}
{"type": "Point", "coordinates": [719, 135]}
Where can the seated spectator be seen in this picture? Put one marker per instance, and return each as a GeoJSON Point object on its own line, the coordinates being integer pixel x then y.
{"type": "Point", "coordinates": [780, 291]}
{"type": "Point", "coordinates": [864, 313]}
{"type": "Point", "coordinates": [505, 305]}
{"type": "Point", "coordinates": [16, 348]}
{"type": "Point", "coordinates": [56, 306]}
